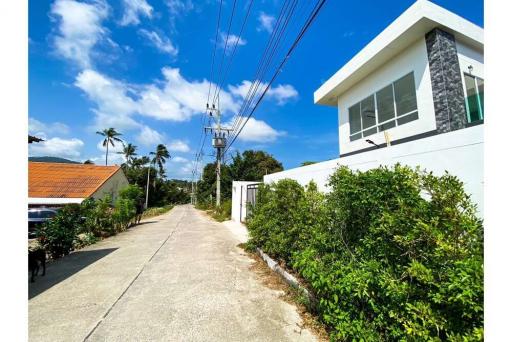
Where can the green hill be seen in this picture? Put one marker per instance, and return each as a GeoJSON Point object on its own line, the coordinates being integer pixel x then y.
{"type": "Point", "coordinates": [52, 160]}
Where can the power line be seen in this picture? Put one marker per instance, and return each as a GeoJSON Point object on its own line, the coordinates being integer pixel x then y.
{"type": "Point", "coordinates": [264, 62]}
{"type": "Point", "coordinates": [230, 62]}
{"type": "Point", "coordinates": [214, 49]}
{"type": "Point", "coordinates": [225, 45]}
{"type": "Point", "coordinates": [308, 23]}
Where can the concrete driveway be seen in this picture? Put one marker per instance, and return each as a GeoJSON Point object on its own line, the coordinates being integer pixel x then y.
{"type": "Point", "coordinates": [177, 277]}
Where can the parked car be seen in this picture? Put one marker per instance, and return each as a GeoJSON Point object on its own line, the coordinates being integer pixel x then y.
{"type": "Point", "coordinates": [36, 217]}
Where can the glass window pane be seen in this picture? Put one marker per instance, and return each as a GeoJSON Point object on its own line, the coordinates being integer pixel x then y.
{"type": "Point", "coordinates": [354, 117]}
{"type": "Point", "coordinates": [356, 136]}
{"type": "Point", "coordinates": [387, 125]}
{"type": "Point", "coordinates": [480, 84]}
{"type": "Point", "coordinates": [405, 94]}
{"type": "Point", "coordinates": [407, 118]}
{"type": "Point", "coordinates": [369, 131]}
{"type": "Point", "coordinates": [471, 98]}
{"type": "Point", "coordinates": [385, 105]}
{"type": "Point", "coordinates": [368, 112]}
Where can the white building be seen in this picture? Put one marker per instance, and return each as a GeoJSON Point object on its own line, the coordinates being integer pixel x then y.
{"type": "Point", "coordinates": [413, 95]}
{"type": "Point", "coordinates": [242, 194]}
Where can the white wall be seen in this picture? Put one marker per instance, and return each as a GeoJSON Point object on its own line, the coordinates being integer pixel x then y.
{"type": "Point", "coordinates": [239, 200]}
{"type": "Point", "coordinates": [414, 58]}
{"type": "Point", "coordinates": [459, 152]}
{"type": "Point", "coordinates": [112, 186]}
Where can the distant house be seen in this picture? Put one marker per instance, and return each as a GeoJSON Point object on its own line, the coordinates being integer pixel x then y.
{"type": "Point", "coordinates": [57, 184]}
{"type": "Point", "coordinates": [414, 95]}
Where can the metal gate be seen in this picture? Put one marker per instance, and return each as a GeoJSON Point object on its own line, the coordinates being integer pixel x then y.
{"type": "Point", "coordinates": [252, 191]}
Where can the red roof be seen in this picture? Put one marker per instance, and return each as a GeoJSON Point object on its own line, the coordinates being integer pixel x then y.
{"type": "Point", "coordinates": [61, 180]}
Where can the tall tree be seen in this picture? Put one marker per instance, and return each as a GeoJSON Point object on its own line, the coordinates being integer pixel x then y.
{"type": "Point", "coordinates": [161, 155]}
{"type": "Point", "coordinates": [110, 135]}
{"type": "Point", "coordinates": [128, 152]}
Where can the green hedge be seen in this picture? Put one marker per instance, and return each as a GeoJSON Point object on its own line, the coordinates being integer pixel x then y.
{"type": "Point", "coordinates": [77, 225]}
{"type": "Point", "coordinates": [391, 254]}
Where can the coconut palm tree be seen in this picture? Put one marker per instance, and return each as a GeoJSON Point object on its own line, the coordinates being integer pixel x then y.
{"type": "Point", "coordinates": [161, 155]}
{"type": "Point", "coordinates": [128, 152]}
{"type": "Point", "coordinates": [110, 135]}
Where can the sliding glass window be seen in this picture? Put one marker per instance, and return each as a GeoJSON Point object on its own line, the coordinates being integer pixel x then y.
{"type": "Point", "coordinates": [474, 97]}
{"type": "Point", "coordinates": [391, 106]}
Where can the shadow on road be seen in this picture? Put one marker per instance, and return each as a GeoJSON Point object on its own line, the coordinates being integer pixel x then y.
{"type": "Point", "coordinates": [64, 268]}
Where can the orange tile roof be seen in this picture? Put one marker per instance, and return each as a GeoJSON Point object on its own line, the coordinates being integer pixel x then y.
{"type": "Point", "coordinates": [60, 180]}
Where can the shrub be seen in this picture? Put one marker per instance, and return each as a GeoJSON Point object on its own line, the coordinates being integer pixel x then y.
{"type": "Point", "coordinates": [392, 254]}
{"type": "Point", "coordinates": [150, 212]}
{"type": "Point", "coordinates": [223, 212]}
{"type": "Point", "coordinates": [57, 235]}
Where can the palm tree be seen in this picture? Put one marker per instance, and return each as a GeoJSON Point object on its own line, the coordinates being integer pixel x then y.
{"type": "Point", "coordinates": [110, 135]}
{"type": "Point", "coordinates": [128, 152]}
{"type": "Point", "coordinates": [161, 155]}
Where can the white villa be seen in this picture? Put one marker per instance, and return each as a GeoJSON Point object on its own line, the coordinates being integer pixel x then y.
{"type": "Point", "coordinates": [413, 95]}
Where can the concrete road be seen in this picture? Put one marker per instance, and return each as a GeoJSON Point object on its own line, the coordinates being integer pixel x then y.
{"type": "Point", "coordinates": [177, 277]}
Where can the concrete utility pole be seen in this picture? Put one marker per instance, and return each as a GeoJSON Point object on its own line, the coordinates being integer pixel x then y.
{"type": "Point", "coordinates": [218, 142]}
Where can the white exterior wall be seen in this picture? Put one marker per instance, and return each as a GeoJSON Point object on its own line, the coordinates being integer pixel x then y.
{"type": "Point", "coordinates": [238, 200]}
{"type": "Point", "coordinates": [459, 152]}
{"type": "Point", "coordinates": [112, 186]}
{"type": "Point", "coordinates": [413, 58]}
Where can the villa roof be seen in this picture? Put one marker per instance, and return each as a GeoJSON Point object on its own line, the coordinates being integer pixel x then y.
{"type": "Point", "coordinates": [414, 23]}
{"type": "Point", "coordinates": [60, 180]}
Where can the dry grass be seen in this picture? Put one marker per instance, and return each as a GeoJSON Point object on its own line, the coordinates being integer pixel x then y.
{"type": "Point", "coordinates": [290, 295]}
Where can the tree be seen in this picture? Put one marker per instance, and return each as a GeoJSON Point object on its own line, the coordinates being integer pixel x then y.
{"type": "Point", "coordinates": [248, 166]}
{"type": "Point", "coordinates": [306, 163]}
{"type": "Point", "coordinates": [110, 135]}
{"type": "Point", "coordinates": [161, 155]}
{"type": "Point", "coordinates": [128, 152]}
{"type": "Point", "coordinates": [88, 161]}
{"type": "Point", "coordinates": [253, 165]}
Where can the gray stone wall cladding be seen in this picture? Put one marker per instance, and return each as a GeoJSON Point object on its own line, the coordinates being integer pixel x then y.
{"type": "Point", "coordinates": [447, 90]}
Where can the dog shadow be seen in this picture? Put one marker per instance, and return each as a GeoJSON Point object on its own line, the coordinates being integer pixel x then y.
{"type": "Point", "coordinates": [64, 268]}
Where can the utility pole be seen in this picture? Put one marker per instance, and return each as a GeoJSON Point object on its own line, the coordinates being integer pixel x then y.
{"type": "Point", "coordinates": [218, 142]}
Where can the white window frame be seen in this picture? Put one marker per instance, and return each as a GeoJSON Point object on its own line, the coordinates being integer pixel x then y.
{"type": "Point", "coordinates": [480, 107]}
{"type": "Point", "coordinates": [377, 111]}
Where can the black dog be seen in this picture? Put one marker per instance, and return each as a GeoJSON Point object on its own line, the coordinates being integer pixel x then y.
{"type": "Point", "coordinates": [35, 259]}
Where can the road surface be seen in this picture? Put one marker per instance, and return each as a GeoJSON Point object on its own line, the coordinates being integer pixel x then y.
{"type": "Point", "coordinates": [176, 277]}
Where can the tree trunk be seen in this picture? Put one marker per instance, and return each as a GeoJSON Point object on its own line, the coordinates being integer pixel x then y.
{"type": "Point", "coordinates": [106, 155]}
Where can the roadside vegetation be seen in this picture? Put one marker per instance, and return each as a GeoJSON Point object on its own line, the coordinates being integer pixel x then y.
{"type": "Point", "coordinates": [79, 225]}
{"type": "Point", "coordinates": [390, 253]}
{"type": "Point", "coordinates": [247, 166]}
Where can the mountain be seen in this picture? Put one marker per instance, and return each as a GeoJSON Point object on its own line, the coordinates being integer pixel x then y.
{"type": "Point", "coordinates": [52, 160]}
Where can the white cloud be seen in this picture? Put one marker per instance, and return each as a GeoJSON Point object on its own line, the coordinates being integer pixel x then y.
{"type": "Point", "coordinates": [57, 147]}
{"type": "Point", "coordinates": [258, 131]}
{"type": "Point", "coordinates": [231, 40]}
{"type": "Point", "coordinates": [266, 22]}
{"type": "Point", "coordinates": [113, 159]}
{"type": "Point", "coordinates": [178, 146]}
{"type": "Point", "coordinates": [79, 28]}
{"type": "Point", "coordinates": [39, 128]}
{"type": "Point", "coordinates": [178, 8]}
{"type": "Point", "coordinates": [161, 42]}
{"type": "Point", "coordinates": [281, 93]}
{"type": "Point", "coordinates": [174, 98]}
{"type": "Point", "coordinates": [133, 9]}
{"type": "Point", "coordinates": [149, 137]}
{"type": "Point", "coordinates": [118, 147]}
{"type": "Point", "coordinates": [179, 160]}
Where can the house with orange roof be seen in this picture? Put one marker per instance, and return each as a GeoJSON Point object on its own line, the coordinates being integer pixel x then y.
{"type": "Point", "coordinates": [57, 184]}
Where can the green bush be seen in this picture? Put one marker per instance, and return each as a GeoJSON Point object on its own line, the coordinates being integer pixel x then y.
{"type": "Point", "coordinates": [57, 236]}
{"type": "Point", "coordinates": [392, 254]}
{"type": "Point", "coordinates": [150, 212]}
{"type": "Point", "coordinates": [223, 212]}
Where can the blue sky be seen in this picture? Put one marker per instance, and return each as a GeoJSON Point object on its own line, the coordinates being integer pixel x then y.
{"type": "Point", "coordinates": [143, 67]}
